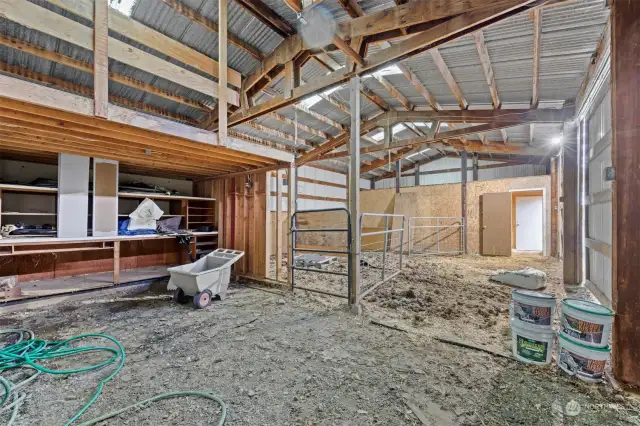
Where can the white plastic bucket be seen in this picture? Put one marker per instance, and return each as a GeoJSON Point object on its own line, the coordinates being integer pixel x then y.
{"type": "Point", "coordinates": [533, 309]}
{"type": "Point", "coordinates": [586, 322]}
{"type": "Point", "coordinates": [585, 362]}
{"type": "Point", "coordinates": [532, 346]}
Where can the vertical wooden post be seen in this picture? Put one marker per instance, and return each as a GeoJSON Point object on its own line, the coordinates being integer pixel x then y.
{"type": "Point", "coordinates": [291, 78]}
{"type": "Point", "coordinates": [398, 175]}
{"type": "Point", "coordinates": [354, 192]}
{"type": "Point", "coordinates": [554, 207]}
{"type": "Point", "coordinates": [278, 226]}
{"type": "Point", "coordinates": [570, 197]}
{"type": "Point", "coordinates": [291, 209]}
{"type": "Point", "coordinates": [222, 72]}
{"type": "Point", "coordinates": [101, 59]}
{"type": "Point", "coordinates": [475, 167]}
{"type": "Point", "coordinates": [116, 262]}
{"type": "Point", "coordinates": [463, 187]}
{"type": "Point", "coordinates": [625, 153]}
{"type": "Point", "coordinates": [417, 175]}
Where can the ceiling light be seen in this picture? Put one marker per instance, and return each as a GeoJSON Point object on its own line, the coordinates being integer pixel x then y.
{"type": "Point", "coordinates": [556, 140]}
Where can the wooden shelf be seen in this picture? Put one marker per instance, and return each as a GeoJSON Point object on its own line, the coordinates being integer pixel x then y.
{"type": "Point", "coordinates": [27, 214]}
{"type": "Point", "coordinates": [162, 196]}
{"type": "Point", "coordinates": [164, 215]}
{"type": "Point", "coordinates": [28, 188]}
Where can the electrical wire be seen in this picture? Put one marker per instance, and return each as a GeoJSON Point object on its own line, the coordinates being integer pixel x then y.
{"type": "Point", "coordinates": [29, 352]}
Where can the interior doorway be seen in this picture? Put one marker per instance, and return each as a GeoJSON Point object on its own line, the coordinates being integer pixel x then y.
{"type": "Point", "coordinates": [528, 221]}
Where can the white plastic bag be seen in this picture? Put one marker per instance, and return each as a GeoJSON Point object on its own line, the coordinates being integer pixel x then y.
{"type": "Point", "coordinates": [145, 216]}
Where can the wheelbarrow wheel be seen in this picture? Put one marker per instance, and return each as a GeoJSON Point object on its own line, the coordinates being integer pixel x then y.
{"type": "Point", "coordinates": [202, 299]}
{"type": "Point", "coordinates": [179, 296]}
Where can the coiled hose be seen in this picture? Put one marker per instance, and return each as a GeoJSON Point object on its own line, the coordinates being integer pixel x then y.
{"type": "Point", "coordinates": [28, 352]}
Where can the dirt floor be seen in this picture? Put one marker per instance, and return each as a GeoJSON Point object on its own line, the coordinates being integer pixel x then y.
{"type": "Point", "coordinates": [303, 359]}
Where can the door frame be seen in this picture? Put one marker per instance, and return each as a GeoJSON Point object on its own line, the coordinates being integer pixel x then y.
{"type": "Point", "coordinates": [514, 192]}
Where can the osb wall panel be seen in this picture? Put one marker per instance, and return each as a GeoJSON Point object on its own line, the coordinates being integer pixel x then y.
{"type": "Point", "coordinates": [476, 189]}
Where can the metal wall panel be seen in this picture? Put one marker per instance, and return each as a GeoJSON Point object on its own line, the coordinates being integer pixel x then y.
{"type": "Point", "coordinates": [598, 212]}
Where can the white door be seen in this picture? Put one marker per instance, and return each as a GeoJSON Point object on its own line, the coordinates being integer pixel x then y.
{"type": "Point", "coordinates": [529, 223]}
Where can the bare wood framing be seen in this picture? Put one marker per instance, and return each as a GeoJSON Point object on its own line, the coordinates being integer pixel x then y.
{"type": "Point", "coordinates": [448, 77]}
{"type": "Point", "coordinates": [33, 16]}
{"type": "Point", "coordinates": [486, 66]}
{"type": "Point", "coordinates": [537, 35]}
{"type": "Point", "coordinates": [222, 72]}
{"type": "Point", "coordinates": [101, 59]}
{"type": "Point", "coordinates": [210, 25]}
{"type": "Point", "coordinates": [433, 37]}
{"type": "Point", "coordinates": [149, 37]}
{"type": "Point", "coordinates": [267, 16]}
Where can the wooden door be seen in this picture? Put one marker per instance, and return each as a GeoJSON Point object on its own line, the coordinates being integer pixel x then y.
{"type": "Point", "coordinates": [495, 224]}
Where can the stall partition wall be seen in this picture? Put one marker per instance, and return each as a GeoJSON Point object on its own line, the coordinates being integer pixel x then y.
{"type": "Point", "coordinates": [242, 219]}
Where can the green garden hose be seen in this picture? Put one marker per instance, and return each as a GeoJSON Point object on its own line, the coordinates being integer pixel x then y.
{"type": "Point", "coordinates": [28, 352]}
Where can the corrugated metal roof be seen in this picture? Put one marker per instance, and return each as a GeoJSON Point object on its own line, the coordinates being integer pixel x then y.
{"type": "Point", "coordinates": [570, 34]}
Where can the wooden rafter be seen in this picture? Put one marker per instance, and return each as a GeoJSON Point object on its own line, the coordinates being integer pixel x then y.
{"type": "Point", "coordinates": [486, 66]}
{"type": "Point", "coordinates": [537, 35]}
{"type": "Point", "coordinates": [479, 12]}
{"type": "Point", "coordinates": [276, 133]}
{"type": "Point", "coordinates": [140, 33]}
{"type": "Point", "coordinates": [53, 24]}
{"type": "Point", "coordinates": [451, 29]}
{"type": "Point", "coordinates": [305, 128]}
{"type": "Point", "coordinates": [348, 50]}
{"type": "Point", "coordinates": [101, 59]}
{"type": "Point", "coordinates": [415, 81]}
{"type": "Point", "coordinates": [494, 119]}
{"type": "Point", "coordinates": [440, 137]}
{"type": "Point", "coordinates": [211, 25]}
{"type": "Point", "coordinates": [89, 92]}
{"type": "Point", "coordinates": [40, 52]}
{"type": "Point", "coordinates": [267, 17]}
{"type": "Point", "coordinates": [448, 77]}
{"type": "Point", "coordinates": [505, 138]}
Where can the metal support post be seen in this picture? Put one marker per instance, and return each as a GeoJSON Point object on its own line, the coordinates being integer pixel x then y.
{"type": "Point", "coordinates": [354, 192]}
{"type": "Point", "coordinates": [463, 187]}
{"type": "Point", "coordinates": [291, 209]}
{"type": "Point", "coordinates": [386, 242]}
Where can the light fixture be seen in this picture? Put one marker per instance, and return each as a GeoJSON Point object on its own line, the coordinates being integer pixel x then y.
{"type": "Point", "coordinates": [556, 140]}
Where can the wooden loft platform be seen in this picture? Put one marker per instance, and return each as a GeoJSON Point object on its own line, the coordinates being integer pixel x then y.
{"type": "Point", "coordinates": [52, 121]}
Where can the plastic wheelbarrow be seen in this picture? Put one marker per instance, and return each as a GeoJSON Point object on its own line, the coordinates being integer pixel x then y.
{"type": "Point", "coordinates": [203, 279]}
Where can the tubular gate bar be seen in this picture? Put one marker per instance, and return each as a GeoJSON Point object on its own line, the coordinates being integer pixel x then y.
{"type": "Point", "coordinates": [294, 249]}
{"type": "Point", "coordinates": [436, 225]}
{"type": "Point", "coordinates": [386, 246]}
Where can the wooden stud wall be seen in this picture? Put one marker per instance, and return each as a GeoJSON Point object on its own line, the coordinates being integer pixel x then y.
{"type": "Point", "coordinates": [243, 220]}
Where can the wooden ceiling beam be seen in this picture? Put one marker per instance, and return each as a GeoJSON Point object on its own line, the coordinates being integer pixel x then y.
{"type": "Point", "coordinates": [88, 92]}
{"type": "Point", "coordinates": [448, 77]}
{"type": "Point", "coordinates": [523, 116]}
{"type": "Point", "coordinates": [142, 34]}
{"type": "Point", "coordinates": [483, 52]}
{"type": "Point", "coordinates": [348, 50]}
{"type": "Point", "coordinates": [352, 8]}
{"type": "Point", "coordinates": [415, 81]}
{"type": "Point", "coordinates": [537, 35]}
{"type": "Point", "coordinates": [74, 136]}
{"type": "Point", "coordinates": [198, 18]}
{"type": "Point", "coordinates": [276, 133]}
{"type": "Point", "coordinates": [304, 128]}
{"type": "Point", "coordinates": [454, 22]}
{"type": "Point", "coordinates": [267, 16]}
{"type": "Point", "coordinates": [450, 30]}
{"type": "Point", "coordinates": [413, 13]}
{"type": "Point", "coordinates": [59, 58]}
{"type": "Point", "coordinates": [36, 17]}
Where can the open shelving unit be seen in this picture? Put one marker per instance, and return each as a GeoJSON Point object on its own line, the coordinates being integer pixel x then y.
{"type": "Point", "coordinates": [32, 205]}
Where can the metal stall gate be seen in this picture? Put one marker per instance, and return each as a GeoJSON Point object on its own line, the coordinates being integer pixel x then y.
{"type": "Point", "coordinates": [382, 242]}
{"type": "Point", "coordinates": [436, 235]}
{"type": "Point", "coordinates": [327, 241]}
